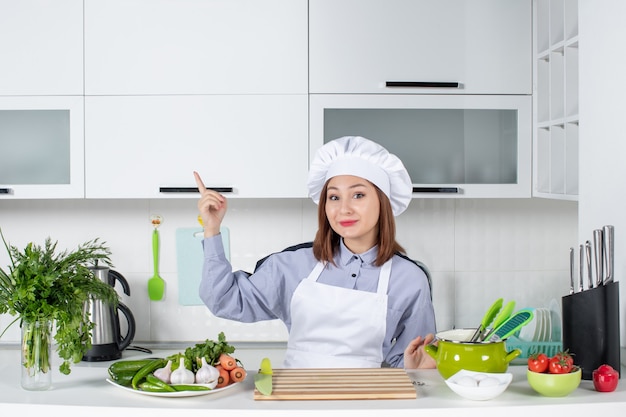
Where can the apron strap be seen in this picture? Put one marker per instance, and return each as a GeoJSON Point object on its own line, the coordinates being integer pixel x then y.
{"type": "Point", "coordinates": [315, 273]}
{"type": "Point", "coordinates": [383, 278]}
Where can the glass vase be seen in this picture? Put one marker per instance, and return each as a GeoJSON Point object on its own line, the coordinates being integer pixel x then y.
{"type": "Point", "coordinates": [36, 355]}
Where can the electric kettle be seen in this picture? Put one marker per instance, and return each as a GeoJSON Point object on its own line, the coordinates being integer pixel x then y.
{"type": "Point", "coordinates": [107, 343]}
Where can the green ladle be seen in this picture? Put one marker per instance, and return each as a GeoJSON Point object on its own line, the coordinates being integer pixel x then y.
{"type": "Point", "coordinates": [156, 284]}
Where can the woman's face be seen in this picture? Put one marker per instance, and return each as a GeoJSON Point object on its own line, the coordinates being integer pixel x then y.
{"type": "Point", "coordinates": [352, 209]}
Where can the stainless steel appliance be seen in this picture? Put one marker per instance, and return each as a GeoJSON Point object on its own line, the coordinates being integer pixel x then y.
{"type": "Point", "coordinates": [107, 342]}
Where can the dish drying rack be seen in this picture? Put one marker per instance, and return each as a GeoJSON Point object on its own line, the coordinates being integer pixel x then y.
{"type": "Point", "coordinates": [530, 347]}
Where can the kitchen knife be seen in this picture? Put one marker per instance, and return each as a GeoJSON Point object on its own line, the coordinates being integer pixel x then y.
{"type": "Point", "coordinates": [589, 268]}
{"type": "Point", "coordinates": [581, 267]}
{"type": "Point", "coordinates": [598, 246]}
{"type": "Point", "coordinates": [608, 232]}
{"type": "Point", "coordinates": [571, 270]}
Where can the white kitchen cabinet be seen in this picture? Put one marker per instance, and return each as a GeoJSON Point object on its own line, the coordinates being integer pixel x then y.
{"type": "Point", "coordinates": [41, 147]}
{"type": "Point", "coordinates": [135, 47]}
{"type": "Point", "coordinates": [41, 47]}
{"type": "Point", "coordinates": [357, 46]}
{"type": "Point", "coordinates": [149, 146]}
{"type": "Point", "coordinates": [556, 118]}
{"type": "Point", "coordinates": [472, 146]}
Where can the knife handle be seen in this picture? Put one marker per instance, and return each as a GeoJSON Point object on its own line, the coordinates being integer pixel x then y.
{"type": "Point", "coordinates": [581, 267]}
{"type": "Point", "coordinates": [598, 247]}
{"type": "Point", "coordinates": [571, 270]}
{"type": "Point", "coordinates": [608, 232]}
{"type": "Point", "coordinates": [589, 268]}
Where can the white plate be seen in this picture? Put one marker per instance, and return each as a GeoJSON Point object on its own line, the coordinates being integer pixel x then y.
{"type": "Point", "coordinates": [555, 318]}
{"type": "Point", "coordinates": [172, 394]}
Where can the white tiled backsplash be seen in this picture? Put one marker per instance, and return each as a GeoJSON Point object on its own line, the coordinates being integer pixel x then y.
{"type": "Point", "coordinates": [476, 249]}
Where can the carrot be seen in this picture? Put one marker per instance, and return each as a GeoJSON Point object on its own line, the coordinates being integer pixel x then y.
{"type": "Point", "coordinates": [224, 378]}
{"type": "Point", "coordinates": [228, 362]}
{"type": "Point", "coordinates": [237, 374]}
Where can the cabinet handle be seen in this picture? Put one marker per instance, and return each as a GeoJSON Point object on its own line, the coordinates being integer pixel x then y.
{"type": "Point", "coordinates": [435, 189]}
{"type": "Point", "coordinates": [422, 84]}
{"type": "Point", "coordinates": [6, 191]}
{"type": "Point", "coordinates": [193, 189]}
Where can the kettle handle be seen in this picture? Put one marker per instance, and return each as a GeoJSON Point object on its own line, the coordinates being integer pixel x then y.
{"type": "Point", "coordinates": [130, 334]}
{"type": "Point", "coordinates": [116, 276]}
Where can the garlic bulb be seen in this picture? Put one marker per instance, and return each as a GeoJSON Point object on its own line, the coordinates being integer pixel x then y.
{"type": "Point", "coordinates": [164, 373]}
{"type": "Point", "coordinates": [182, 375]}
{"type": "Point", "coordinates": [207, 374]}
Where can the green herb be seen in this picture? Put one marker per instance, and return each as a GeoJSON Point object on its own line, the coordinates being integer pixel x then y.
{"type": "Point", "coordinates": [41, 284]}
{"type": "Point", "coordinates": [210, 350]}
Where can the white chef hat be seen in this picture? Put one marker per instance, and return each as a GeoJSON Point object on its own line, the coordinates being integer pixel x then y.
{"type": "Point", "coordinates": [358, 156]}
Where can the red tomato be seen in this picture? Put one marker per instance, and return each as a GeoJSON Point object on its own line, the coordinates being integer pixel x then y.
{"type": "Point", "coordinates": [561, 363]}
{"type": "Point", "coordinates": [605, 378]}
{"type": "Point", "coordinates": [538, 362]}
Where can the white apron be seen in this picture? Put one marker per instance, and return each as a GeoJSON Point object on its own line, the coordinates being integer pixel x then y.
{"type": "Point", "coordinates": [334, 327]}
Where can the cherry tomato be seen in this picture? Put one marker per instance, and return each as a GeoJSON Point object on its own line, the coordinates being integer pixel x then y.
{"type": "Point", "coordinates": [605, 378]}
{"type": "Point", "coordinates": [561, 363]}
{"type": "Point", "coordinates": [538, 362]}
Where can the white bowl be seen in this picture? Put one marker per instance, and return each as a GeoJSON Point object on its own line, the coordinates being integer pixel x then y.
{"type": "Point", "coordinates": [479, 386]}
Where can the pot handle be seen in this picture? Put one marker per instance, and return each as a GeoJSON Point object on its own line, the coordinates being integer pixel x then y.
{"type": "Point", "coordinates": [431, 349]}
{"type": "Point", "coordinates": [130, 334]}
{"type": "Point", "coordinates": [512, 355]}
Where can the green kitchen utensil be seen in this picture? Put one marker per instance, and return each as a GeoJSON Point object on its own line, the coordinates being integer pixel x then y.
{"type": "Point", "coordinates": [156, 284]}
{"type": "Point", "coordinates": [502, 316]}
{"type": "Point", "coordinates": [263, 379]}
{"type": "Point", "coordinates": [513, 324]}
{"type": "Point", "coordinates": [487, 319]}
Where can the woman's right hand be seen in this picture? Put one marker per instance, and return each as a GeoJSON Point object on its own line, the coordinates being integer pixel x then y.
{"type": "Point", "coordinates": [212, 207]}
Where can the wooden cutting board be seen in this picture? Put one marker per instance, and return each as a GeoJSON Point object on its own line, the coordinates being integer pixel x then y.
{"type": "Point", "coordinates": [340, 384]}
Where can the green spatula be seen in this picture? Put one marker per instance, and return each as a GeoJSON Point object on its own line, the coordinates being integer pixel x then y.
{"type": "Point", "coordinates": [487, 319]}
{"type": "Point", "coordinates": [513, 324]}
{"type": "Point", "coordinates": [502, 316]}
{"type": "Point", "coordinates": [156, 284]}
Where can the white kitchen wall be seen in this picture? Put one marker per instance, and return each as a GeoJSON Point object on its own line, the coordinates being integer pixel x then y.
{"type": "Point", "coordinates": [476, 249]}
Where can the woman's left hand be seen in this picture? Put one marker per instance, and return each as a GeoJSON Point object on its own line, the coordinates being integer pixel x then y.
{"type": "Point", "coordinates": [416, 357]}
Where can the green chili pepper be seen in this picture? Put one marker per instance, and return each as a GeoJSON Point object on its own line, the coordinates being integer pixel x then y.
{"type": "Point", "coordinates": [190, 387]}
{"type": "Point", "coordinates": [147, 369]}
{"type": "Point", "coordinates": [151, 379]}
{"type": "Point", "coordinates": [146, 386]}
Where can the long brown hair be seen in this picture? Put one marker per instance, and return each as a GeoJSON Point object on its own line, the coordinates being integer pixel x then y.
{"type": "Point", "coordinates": [326, 242]}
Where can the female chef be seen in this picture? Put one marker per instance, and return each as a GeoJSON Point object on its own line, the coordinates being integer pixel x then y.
{"type": "Point", "coordinates": [349, 299]}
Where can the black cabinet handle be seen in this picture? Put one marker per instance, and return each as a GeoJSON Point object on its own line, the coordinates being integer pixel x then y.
{"type": "Point", "coordinates": [193, 189]}
{"type": "Point", "coordinates": [435, 190]}
{"type": "Point", "coordinates": [422, 84]}
{"type": "Point", "coordinates": [6, 191]}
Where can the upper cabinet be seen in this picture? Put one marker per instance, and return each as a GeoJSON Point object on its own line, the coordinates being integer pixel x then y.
{"type": "Point", "coordinates": [556, 99]}
{"type": "Point", "coordinates": [41, 147]}
{"type": "Point", "coordinates": [135, 47]}
{"type": "Point", "coordinates": [41, 45]}
{"type": "Point", "coordinates": [420, 46]}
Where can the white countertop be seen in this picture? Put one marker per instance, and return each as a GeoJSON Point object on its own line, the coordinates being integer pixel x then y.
{"type": "Point", "coordinates": [86, 392]}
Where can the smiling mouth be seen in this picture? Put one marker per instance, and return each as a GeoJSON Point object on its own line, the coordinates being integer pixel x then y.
{"type": "Point", "coordinates": [347, 223]}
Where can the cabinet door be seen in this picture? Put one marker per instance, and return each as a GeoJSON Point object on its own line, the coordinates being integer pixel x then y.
{"type": "Point", "coordinates": [41, 147]}
{"type": "Point", "coordinates": [357, 46]}
{"type": "Point", "coordinates": [138, 145]}
{"type": "Point", "coordinates": [41, 47]}
{"type": "Point", "coordinates": [452, 145]}
{"type": "Point", "coordinates": [195, 47]}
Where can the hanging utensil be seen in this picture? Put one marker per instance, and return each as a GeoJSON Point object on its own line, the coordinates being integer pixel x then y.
{"type": "Point", "coordinates": [502, 316]}
{"type": "Point", "coordinates": [512, 325]}
{"type": "Point", "coordinates": [608, 233]}
{"type": "Point", "coordinates": [156, 284]}
{"type": "Point", "coordinates": [487, 319]}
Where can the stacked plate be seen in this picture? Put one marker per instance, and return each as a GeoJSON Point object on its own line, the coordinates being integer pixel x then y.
{"type": "Point", "coordinates": [545, 325]}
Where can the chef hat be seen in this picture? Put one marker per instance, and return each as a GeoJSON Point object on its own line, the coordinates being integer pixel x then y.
{"type": "Point", "coordinates": [355, 155]}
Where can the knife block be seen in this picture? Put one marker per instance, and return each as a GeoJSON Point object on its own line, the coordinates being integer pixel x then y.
{"type": "Point", "coordinates": [591, 328]}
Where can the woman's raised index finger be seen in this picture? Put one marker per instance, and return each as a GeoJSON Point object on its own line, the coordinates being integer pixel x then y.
{"type": "Point", "coordinates": [199, 183]}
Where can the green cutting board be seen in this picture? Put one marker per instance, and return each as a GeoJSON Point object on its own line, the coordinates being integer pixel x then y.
{"type": "Point", "coordinates": [189, 259]}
